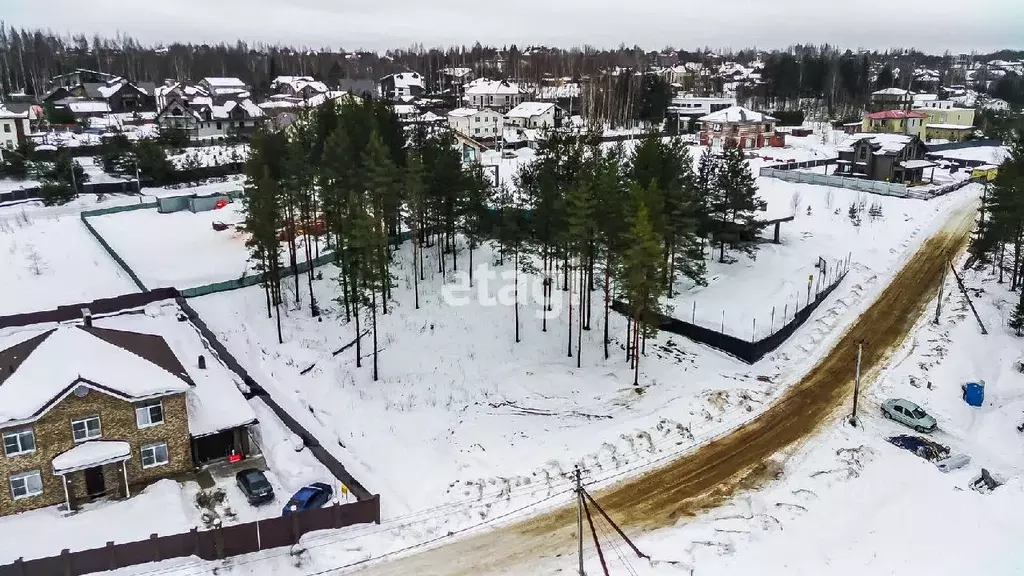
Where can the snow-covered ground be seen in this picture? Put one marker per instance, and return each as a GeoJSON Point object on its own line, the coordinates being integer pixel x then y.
{"type": "Point", "coordinates": [781, 271]}
{"type": "Point", "coordinates": [228, 184]}
{"type": "Point", "coordinates": [209, 155]}
{"type": "Point", "coordinates": [180, 249]}
{"type": "Point", "coordinates": [50, 259]}
{"type": "Point", "coordinates": [476, 414]}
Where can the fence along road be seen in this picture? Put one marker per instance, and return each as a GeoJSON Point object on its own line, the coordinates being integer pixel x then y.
{"type": "Point", "coordinates": [738, 460]}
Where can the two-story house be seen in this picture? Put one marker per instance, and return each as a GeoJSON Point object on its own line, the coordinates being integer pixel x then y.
{"type": "Point", "coordinates": [541, 115]}
{"type": "Point", "coordinates": [483, 124]}
{"type": "Point", "coordinates": [89, 412]}
{"type": "Point", "coordinates": [891, 99]}
{"type": "Point", "coordinates": [497, 95]}
{"type": "Point", "coordinates": [736, 126]}
{"type": "Point", "coordinates": [203, 117]}
{"type": "Point", "coordinates": [401, 85]}
{"type": "Point", "coordinates": [14, 125]}
{"type": "Point", "coordinates": [895, 122]}
{"type": "Point", "coordinates": [895, 158]}
{"type": "Point", "coordinates": [119, 95]}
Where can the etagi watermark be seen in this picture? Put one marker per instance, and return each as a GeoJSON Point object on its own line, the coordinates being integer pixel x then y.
{"type": "Point", "coordinates": [491, 288]}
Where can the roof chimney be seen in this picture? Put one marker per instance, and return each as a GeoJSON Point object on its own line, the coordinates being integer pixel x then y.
{"type": "Point", "coordinates": [202, 362]}
{"type": "Point", "coordinates": [87, 317]}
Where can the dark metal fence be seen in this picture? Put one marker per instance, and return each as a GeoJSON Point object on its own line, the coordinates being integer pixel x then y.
{"type": "Point", "coordinates": [216, 544]}
{"type": "Point", "coordinates": [750, 351]}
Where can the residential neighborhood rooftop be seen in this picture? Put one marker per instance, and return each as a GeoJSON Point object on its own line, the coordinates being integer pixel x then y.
{"type": "Point", "coordinates": [529, 109]}
{"type": "Point", "coordinates": [737, 115]}
{"type": "Point", "coordinates": [895, 115]}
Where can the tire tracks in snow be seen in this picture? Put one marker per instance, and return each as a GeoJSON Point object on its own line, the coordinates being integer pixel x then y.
{"type": "Point", "coordinates": [716, 471]}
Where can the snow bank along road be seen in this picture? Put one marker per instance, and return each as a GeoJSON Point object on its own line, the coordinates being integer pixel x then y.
{"type": "Point", "coordinates": [740, 459]}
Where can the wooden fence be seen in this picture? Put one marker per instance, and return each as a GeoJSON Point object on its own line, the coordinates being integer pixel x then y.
{"type": "Point", "coordinates": [216, 544]}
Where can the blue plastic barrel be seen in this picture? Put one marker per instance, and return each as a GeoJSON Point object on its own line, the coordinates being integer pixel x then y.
{"type": "Point", "coordinates": [974, 393]}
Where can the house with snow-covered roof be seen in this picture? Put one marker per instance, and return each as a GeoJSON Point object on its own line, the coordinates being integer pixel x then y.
{"type": "Point", "coordinates": [891, 99]}
{"type": "Point", "coordinates": [297, 87]}
{"type": "Point", "coordinates": [14, 124]}
{"type": "Point", "coordinates": [89, 412]}
{"type": "Point", "coordinates": [201, 116]}
{"type": "Point", "coordinates": [535, 115]}
{"type": "Point", "coordinates": [497, 95]}
{"type": "Point", "coordinates": [396, 86]}
{"type": "Point", "coordinates": [898, 158]}
{"type": "Point", "coordinates": [895, 122]}
{"type": "Point", "coordinates": [737, 126]}
{"type": "Point", "coordinates": [222, 89]}
{"type": "Point", "coordinates": [476, 123]}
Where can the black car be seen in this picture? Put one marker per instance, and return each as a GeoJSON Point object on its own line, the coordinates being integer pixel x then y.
{"type": "Point", "coordinates": [254, 484]}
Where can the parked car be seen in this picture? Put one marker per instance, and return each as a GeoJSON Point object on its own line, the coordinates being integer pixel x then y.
{"type": "Point", "coordinates": [909, 414]}
{"type": "Point", "coordinates": [254, 484]}
{"type": "Point", "coordinates": [308, 497]}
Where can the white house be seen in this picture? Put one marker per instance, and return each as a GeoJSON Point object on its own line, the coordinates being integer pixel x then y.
{"type": "Point", "coordinates": [477, 124]}
{"type": "Point", "coordinates": [14, 127]}
{"type": "Point", "coordinates": [534, 115]}
{"type": "Point", "coordinates": [223, 89]}
{"type": "Point", "coordinates": [202, 119]}
{"type": "Point", "coordinates": [997, 104]}
{"type": "Point", "coordinates": [402, 84]}
{"type": "Point", "coordinates": [497, 95]}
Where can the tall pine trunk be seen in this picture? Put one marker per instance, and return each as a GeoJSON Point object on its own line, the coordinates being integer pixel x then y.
{"type": "Point", "coordinates": [415, 272]}
{"type": "Point", "coordinates": [515, 289]}
{"type": "Point", "coordinates": [636, 356]}
{"type": "Point", "coordinates": [607, 303]}
{"type": "Point", "coordinates": [359, 350]}
{"type": "Point", "coordinates": [579, 330]}
{"type": "Point", "coordinates": [373, 302]}
{"type": "Point", "coordinates": [471, 263]}
{"type": "Point", "coordinates": [569, 288]}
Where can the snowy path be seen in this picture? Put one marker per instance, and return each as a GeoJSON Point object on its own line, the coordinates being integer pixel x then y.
{"type": "Point", "coordinates": [708, 477]}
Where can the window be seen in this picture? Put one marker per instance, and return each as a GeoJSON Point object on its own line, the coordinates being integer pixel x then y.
{"type": "Point", "coordinates": [476, 130]}
{"type": "Point", "coordinates": [476, 119]}
{"type": "Point", "coordinates": [862, 153]}
{"type": "Point", "coordinates": [86, 429]}
{"type": "Point", "coordinates": [7, 128]}
{"type": "Point", "coordinates": [218, 126]}
{"type": "Point", "coordinates": [154, 455]}
{"type": "Point", "coordinates": [149, 413]}
{"type": "Point", "coordinates": [19, 442]}
{"type": "Point", "coordinates": [26, 484]}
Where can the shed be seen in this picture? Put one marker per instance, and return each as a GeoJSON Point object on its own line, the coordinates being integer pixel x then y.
{"type": "Point", "coordinates": [191, 202]}
{"type": "Point", "coordinates": [800, 132]}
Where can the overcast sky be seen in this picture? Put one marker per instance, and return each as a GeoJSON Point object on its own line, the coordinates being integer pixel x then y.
{"type": "Point", "coordinates": [930, 25]}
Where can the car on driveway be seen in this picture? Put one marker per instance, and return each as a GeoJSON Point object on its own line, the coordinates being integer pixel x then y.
{"type": "Point", "coordinates": [308, 497]}
{"type": "Point", "coordinates": [909, 414]}
{"type": "Point", "coordinates": [254, 484]}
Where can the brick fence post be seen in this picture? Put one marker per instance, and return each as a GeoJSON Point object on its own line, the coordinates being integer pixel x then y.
{"type": "Point", "coordinates": [195, 541]}
{"type": "Point", "coordinates": [111, 556]}
{"type": "Point", "coordinates": [336, 513]}
{"type": "Point", "coordinates": [19, 567]}
{"type": "Point", "coordinates": [218, 541]}
{"type": "Point", "coordinates": [154, 541]}
{"type": "Point", "coordinates": [295, 527]}
{"type": "Point", "coordinates": [65, 561]}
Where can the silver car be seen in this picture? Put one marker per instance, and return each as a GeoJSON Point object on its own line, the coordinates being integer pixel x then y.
{"type": "Point", "coordinates": [909, 414]}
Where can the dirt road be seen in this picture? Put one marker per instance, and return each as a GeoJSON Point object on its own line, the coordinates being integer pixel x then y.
{"type": "Point", "coordinates": [742, 459]}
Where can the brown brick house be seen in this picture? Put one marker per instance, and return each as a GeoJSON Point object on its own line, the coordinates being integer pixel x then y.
{"type": "Point", "coordinates": [87, 412]}
{"type": "Point", "coordinates": [737, 126]}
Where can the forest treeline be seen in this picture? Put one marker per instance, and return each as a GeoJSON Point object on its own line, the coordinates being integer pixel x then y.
{"type": "Point", "coordinates": [28, 57]}
{"type": "Point", "coordinates": [586, 218]}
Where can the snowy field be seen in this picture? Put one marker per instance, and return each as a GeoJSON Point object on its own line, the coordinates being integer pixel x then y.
{"type": "Point", "coordinates": [209, 155]}
{"type": "Point", "coordinates": [168, 507]}
{"type": "Point", "coordinates": [781, 271]}
{"type": "Point", "coordinates": [476, 414]}
{"type": "Point", "coordinates": [180, 249]}
{"type": "Point", "coordinates": [50, 260]}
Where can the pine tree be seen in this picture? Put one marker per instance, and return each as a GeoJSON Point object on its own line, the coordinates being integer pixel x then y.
{"type": "Point", "coordinates": [382, 182]}
{"type": "Point", "coordinates": [479, 192]}
{"type": "Point", "coordinates": [705, 187]}
{"type": "Point", "coordinates": [611, 200]}
{"type": "Point", "coordinates": [735, 205]}
{"type": "Point", "coordinates": [262, 222]}
{"type": "Point", "coordinates": [580, 218]}
{"type": "Point", "coordinates": [1006, 211]}
{"type": "Point", "coordinates": [684, 243]}
{"type": "Point", "coordinates": [642, 273]}
{"type": "Point", "coordinates": [1017, 318]}
{"type": "Point", "coordinates": [415, 215]}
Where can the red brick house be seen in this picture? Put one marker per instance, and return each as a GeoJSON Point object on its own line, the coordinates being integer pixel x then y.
{"type": "Point", "coordinates": [737, 126]}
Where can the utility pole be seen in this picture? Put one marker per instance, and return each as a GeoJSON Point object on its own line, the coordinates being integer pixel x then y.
{"type": "Point", "coordinates": [579, 518]}
{"type": "Point", "coordinates": [938, 303]}
{"type": "Point", "coordinates": [856, 384]}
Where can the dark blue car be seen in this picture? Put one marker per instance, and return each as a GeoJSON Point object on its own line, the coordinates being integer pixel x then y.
{"type": "Point", "coordinates": [308, 497]}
